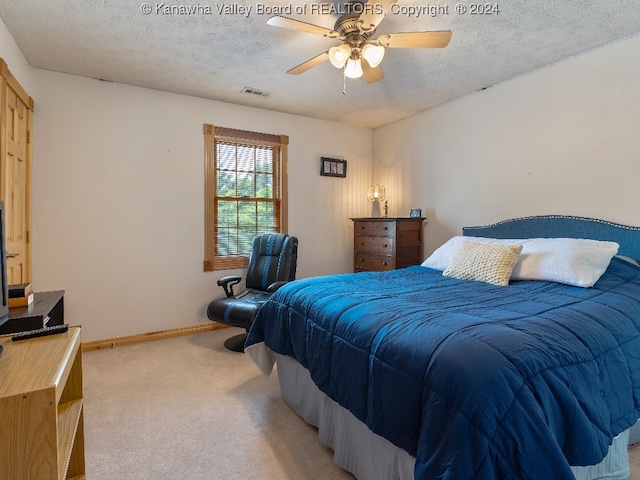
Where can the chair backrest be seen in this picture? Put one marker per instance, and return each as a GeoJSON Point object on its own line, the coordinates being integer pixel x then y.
{"type": "Point", "coordinates": [273, 258]}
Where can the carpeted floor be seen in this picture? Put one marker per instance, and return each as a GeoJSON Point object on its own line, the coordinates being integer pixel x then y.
{"type": "Point", "coordinates": [187, 408]}
{"type": "Point", "coordinates": [634, 461]}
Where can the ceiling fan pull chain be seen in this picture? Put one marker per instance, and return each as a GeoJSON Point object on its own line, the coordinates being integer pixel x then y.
{"type": "Point", "coordinates": [344, 83]}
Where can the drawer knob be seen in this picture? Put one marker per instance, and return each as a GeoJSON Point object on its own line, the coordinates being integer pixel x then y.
{"type": "Point", "coordinates": [384, 264]}
{"type": "Point", "coordinates": [362, 260]}
{"type": "Point", "coordinates": [385, 245]}
{"type": "Point", "coordinates": [361, 243]}
{"type": "Point", "coordinates": [386, 228]}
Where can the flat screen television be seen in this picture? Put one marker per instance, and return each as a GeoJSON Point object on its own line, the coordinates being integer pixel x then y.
{"type": "Point", "coordinates": [4, 292]}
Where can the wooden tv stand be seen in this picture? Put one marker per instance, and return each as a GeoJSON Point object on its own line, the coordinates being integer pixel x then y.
{"type": "Point", "coordinates": [42, 423]}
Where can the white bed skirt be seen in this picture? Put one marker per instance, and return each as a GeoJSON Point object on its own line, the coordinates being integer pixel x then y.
{"type": "Point", "coordinates": [370, 457]}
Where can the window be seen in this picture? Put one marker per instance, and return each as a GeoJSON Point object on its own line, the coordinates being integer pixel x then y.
{"type": "Point", "coordinates": [245, 192]}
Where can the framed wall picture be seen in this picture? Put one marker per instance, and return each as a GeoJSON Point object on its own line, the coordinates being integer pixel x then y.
{"type": "Point", "coordinates": [333, 167]}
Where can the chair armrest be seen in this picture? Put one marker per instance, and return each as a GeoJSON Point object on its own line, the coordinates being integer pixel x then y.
{"type": "Point", "coordinates": [228, 282]}
{"type": "Point", "coordinates": [275, 286]}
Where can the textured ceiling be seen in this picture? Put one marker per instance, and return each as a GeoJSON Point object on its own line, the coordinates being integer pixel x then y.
{"type": "Point", "coordinates": [214, 54]}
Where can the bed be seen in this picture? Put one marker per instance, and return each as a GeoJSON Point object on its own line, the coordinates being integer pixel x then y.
{"type": "Point", "coordinates": [422, 373]}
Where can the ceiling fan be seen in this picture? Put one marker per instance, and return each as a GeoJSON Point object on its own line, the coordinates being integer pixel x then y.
{"type": "Point", "coordinates": [360, 54]}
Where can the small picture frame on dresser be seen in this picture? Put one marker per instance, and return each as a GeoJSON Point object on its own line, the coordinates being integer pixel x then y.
{"type": "Point", "coordinates": [333, 167]}
{"type": "Point", "coordinates": [415, 212]}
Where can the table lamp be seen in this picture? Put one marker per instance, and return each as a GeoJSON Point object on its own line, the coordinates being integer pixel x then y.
{"type": "Point", "coordinates": [375, 195]}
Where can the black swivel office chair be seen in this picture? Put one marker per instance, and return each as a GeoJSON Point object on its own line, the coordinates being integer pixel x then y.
{"type": "Point", "coordinates": [272, 263]}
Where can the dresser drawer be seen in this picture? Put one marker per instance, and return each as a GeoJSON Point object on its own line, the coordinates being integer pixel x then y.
{"type": "Point", "coordinates": [375, 228]}
{"type": "Point", "coordinates": [382, 245]}
{"type": "Point", "coordinates": [366, 261]}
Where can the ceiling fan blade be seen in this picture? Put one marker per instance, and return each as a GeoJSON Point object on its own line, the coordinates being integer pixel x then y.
{"type": "Point", "coordinates": [303, 67]}
{"type": "Point", "coordinates": [371, 75]}
{"type": "Point", "coordinates": [439, 39]}
{"type": "Point", "coordinates": [291, 24]}
{"type": "Point", "coordinates": [373, 14]}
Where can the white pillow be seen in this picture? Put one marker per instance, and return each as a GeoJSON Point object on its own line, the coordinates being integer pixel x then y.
{"type": "Point", "coordinates": [574, 261]}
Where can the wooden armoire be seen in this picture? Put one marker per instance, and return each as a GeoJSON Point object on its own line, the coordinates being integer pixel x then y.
{"type": "Point", "coordinates": [15, 173]}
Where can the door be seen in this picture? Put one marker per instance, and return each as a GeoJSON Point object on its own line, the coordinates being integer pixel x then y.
{"type": "Point", "coordinates": [15, 175]}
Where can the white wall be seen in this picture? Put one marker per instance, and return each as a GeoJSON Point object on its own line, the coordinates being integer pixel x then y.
{"type": "Point", "coordinates": [118, 200]}
{"type": "Point", "coordinates": [14, 58]}
{"type": "Point", "coordinates": [564, 139]}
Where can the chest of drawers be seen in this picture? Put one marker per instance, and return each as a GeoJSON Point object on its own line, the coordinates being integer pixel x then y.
{"type": "Point", "coordinates": [386, 243]}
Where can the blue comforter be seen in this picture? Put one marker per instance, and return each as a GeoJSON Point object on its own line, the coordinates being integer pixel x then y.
{"type": "Point", "coordinates": [476, 381]}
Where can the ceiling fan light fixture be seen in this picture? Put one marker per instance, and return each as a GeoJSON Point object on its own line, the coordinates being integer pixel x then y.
{"type": "Point", "coordinates": [353, 68]}
{"type": "Point", "coordinates": [338, 56]}
{"type": "Point", "coordinates": [355, 29]}
{"type": "Point", "coordinates": [373, 54]}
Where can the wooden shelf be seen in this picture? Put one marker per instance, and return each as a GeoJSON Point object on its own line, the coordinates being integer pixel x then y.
{"type": "Point", "coordinates": [42, 425]}
{"type": "Point", "coordinates": [69, 415]}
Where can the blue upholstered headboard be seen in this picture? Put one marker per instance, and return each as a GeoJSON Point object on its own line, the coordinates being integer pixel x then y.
{"type": "Point", "coordinates": [563, 226]}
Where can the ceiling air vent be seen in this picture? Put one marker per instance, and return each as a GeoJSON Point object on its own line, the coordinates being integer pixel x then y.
{"type": "Point", "coordinates": [256, 92]}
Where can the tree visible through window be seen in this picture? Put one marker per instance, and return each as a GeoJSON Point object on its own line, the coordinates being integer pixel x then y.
{"type": "Point", "coordinates": [244, 192]}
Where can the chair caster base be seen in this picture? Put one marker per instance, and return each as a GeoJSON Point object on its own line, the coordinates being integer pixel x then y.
{"type": "Point", "coordinates": [236, 343]}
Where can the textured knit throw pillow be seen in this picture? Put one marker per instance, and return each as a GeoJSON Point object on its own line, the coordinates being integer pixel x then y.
{"type": "Point", "coordinates": [484, 263]}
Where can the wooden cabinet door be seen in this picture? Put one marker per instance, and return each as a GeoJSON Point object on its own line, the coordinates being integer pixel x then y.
{"type": "Point", "coordinates": [15, 175]}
